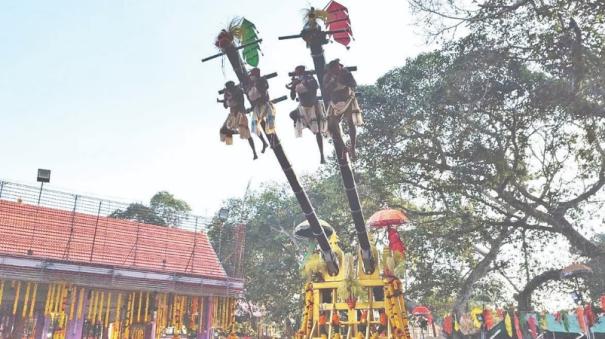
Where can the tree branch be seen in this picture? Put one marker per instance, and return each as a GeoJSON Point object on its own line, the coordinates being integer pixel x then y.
{"type": "Point", "coordinates": [524, 297]}
{"type": "Point", "coordinates": [479, 272]}
{"type": "Point", "coordinates": [566, 205]}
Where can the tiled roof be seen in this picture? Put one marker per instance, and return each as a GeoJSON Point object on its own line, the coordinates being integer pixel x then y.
{"type": "Point", "coordinates": [54, 234]}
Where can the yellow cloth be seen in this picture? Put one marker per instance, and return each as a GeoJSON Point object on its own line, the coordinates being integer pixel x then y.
{"type": "Point", "coordinates": [265, 112]}
{"type": "Point", "coordinates": [236, 121]}
{"type": "Point", "coordinates": [508, 324]}
{"type": "Point", "coordinates": [475, 313]}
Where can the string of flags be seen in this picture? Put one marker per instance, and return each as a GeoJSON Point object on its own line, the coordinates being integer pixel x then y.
{"type": "Point", "coordinates": [509, 323]}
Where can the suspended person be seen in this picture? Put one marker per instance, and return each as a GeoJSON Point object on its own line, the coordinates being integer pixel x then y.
{"type": "Point", "coordinates": [339, 87]}
{"type": "Point", "coordinates": [310, 112]}
{"type": "Point", "coordinates": [262, 107]}
{"type": "Point", "coordinates": [311, 32]}
{"type": "Point", "coordinates": [237, 121]}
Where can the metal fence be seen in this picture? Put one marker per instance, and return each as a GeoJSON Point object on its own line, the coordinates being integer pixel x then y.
{"type": "Point", "coordinates": [79, 203]}
{"type": "Point", "coordinates": [81, 213]}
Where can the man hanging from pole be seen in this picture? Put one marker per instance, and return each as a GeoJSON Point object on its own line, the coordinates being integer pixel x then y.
{"type": "Point", "coordinates": [262, 108]}
{"type": "Point", "coordinates": [310, 112]}
{"type": "Point", "coordinates": [237, 121]}
{"type": "Point", "coordinates": [339, 86]}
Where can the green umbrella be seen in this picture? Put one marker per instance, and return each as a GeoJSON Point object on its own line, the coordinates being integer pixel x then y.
{"type": "Point", "coordinates": [248, 35]}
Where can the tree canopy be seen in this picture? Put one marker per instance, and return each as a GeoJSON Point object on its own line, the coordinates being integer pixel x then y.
{"type": "Point", "coordinates": [163, 210]}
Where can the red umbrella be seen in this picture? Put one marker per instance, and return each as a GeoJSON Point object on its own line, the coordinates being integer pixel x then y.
{"type": "Point", "coordinates": [422, 310]}
{"type": "Point", "coordinates": [388, 217]}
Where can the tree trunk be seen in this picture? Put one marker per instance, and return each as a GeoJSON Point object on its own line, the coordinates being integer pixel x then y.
{"type": "Point", "coordinates": [524, 297]}
{"type": "Point", "coordinates": [478, 272]}
{"type": "Point", "coordinates": [586, 247]}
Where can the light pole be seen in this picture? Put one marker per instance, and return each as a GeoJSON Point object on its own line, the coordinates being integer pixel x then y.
{"type": "Point", "coordinates": [43, 176]}
{"type": "Point", "coordinates": [223, 214]}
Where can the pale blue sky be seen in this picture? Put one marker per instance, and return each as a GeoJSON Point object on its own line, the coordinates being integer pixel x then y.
{"type": "Point", "coordinates": [112, 96]}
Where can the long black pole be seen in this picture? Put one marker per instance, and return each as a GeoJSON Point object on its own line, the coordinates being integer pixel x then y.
{"type": "Point", "coordinates": [303, 200]}
{"type": "Point", "coordinates": [346, 172]}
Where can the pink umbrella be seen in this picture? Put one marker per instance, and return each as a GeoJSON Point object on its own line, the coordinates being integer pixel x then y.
{"type": "Point", "coordinates": [389, 218]}
{"type": "Point", "coordinates": [421, 310]}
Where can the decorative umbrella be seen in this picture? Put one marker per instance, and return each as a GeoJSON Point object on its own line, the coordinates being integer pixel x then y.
{"type": "Point", "coordinates": [303, 230]}
{"type": "Point", "coordinates": [387, 217]}
{"type": "Point", "coordinates": [421, 310]}
{"type": "Point", "coordinates": [575, 270]}
{"type": "Point", "coordinates": [338, 20]}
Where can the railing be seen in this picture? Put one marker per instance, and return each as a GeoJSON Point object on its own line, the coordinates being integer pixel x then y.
{"type": "Point", "coordinates": [79, 203]}
{"type": "Point", "coordinates": [55, 225]}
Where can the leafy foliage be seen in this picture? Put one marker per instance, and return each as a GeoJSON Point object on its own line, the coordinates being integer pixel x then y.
{"type": "Point", "coordinates": [140, 213]}
{"type": "Point", "coordinates": [169, 208]}
{"type": "Point", "coordinates": [164, 210]}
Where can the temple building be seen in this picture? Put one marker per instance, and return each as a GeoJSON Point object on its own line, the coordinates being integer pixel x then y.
{"type": "Point", "coordinates": [70, 270]}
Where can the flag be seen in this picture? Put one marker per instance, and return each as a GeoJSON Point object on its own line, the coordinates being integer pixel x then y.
{"type": "Point", "coordinates": [581, 319]}
{"type": "Point", "coordinates": [447, 325]}
{"type": "Point", "coordinates": [508, 324]}
{"type": "Point", "coordinates": [488, 318]}
{"type": "Point", "coordinates": [532, 323]}
{"type": "Point", "coordinates": [477, 316]}
{"type": "Point", "coordinates": [518, 331]}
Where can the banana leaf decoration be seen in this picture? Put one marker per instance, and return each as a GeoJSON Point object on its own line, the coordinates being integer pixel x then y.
{"type": "Point", "coordinates": [314, 265]}
{"type": "Point", "coordinates": [247, 33]}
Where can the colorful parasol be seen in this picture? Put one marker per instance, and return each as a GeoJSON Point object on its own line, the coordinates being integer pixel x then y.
{"type": "Point", "coordinates": [421, 310]}
{"type": "Point", "coordinates": [575, 270]}
{"type": "Point", "coordinates": [387, 217]}
{"type": "Point", "coordinates": [303, 230]}
{"type": "Point", "coordinates": [338, 20]}
{"type": "Point", "coordinates": [248, 34]}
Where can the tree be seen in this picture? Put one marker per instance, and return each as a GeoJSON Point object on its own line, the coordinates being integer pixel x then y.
{"type": "Point", "coordinates": [564, 41]}
{"type": "Point", "coordinates": [169, 208]}
{"type": "Point", "coordinates": [596, 282]}
{"type": "Point", "coordinates": [164, 210]}
{"type": "Point", "coordinates": [139, 213]}
{"type": "Point", "coordinates": [467, 133]}
{"type": "Point", "coordinates": [271, 252]}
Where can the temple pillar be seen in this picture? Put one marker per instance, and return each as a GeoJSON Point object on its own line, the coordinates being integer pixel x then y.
{"type": "Point", "coordinates": [75, 326]}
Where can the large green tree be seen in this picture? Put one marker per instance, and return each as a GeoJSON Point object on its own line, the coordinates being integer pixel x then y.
{"type": "Point", "coordinates": [498, 135]}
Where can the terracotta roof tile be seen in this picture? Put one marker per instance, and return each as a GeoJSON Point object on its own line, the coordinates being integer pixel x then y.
{"type": "Point", "coordinates": [121, 243]}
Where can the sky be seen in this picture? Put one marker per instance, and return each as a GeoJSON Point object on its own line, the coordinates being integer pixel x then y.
{"type": "Point", "coordinates": [112, 96]}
